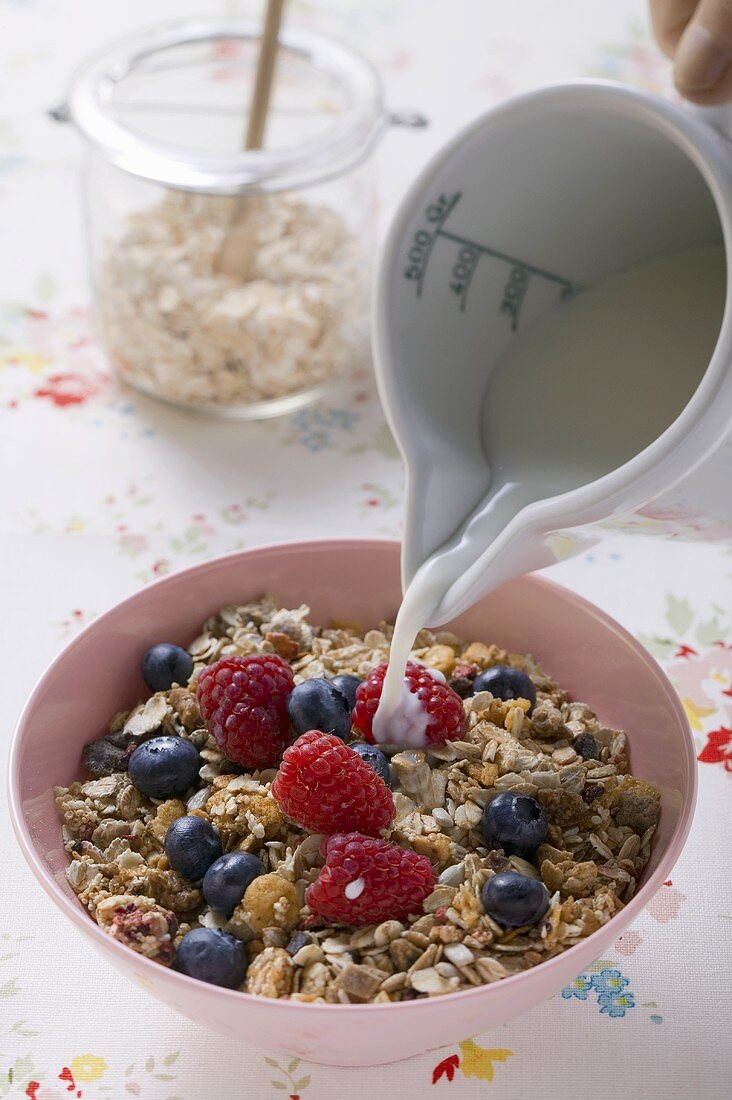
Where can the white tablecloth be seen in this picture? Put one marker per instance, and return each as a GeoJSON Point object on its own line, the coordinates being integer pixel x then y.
{"type": "Point", "coordinates": [103, 490]}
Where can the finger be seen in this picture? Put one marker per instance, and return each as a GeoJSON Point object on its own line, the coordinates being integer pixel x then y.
{"type": "Point", "coordinates": [669, 19]}
{"type": "Point", "coordinates": [704, 55]}
{"type": "Point", "coordinates": [720, 93]}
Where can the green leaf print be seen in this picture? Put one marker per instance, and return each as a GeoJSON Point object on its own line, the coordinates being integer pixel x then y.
{"type": "Point", "coordinates": [660, 648]}
{"type": "Point", "coordinates": [710, 632]}
{"type": "Point", "coordinates": [679, 614]}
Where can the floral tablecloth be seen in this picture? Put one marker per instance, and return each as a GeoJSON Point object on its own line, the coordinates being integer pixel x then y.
{"type": "Point", "coordinates": [103, 491]}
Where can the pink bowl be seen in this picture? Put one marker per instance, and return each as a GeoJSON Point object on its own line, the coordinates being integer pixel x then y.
{"type": "Point", "coordinates": [97, 674]}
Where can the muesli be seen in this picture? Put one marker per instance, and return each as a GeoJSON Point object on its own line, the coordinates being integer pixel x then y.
{"type": "Point", "coordinates": [195, 844]}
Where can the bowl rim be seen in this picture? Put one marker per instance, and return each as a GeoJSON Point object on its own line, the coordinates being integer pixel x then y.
{"type": "Point", "coordinates": [79, 916]}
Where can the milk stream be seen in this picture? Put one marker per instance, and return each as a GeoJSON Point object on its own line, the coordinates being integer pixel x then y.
{"type": "Point", "coordinates": [578, 394]}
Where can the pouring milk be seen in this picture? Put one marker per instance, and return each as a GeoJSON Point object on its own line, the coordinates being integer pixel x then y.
{"type": "Point", "coordinates": [582, 391]}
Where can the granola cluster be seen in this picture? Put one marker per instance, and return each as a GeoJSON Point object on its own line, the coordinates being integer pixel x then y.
{"type": "Point", "coordinates": [601, 821]}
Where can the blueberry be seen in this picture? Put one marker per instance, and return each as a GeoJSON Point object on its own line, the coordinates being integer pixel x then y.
{"type": "Point", "coordinates": [226, 880]}
{"type": "Point", "coordinates": [164, 665]}
{"type": "Point", "coordinates": [347, 685]}
{"type": "Point", "coordinates": [587, 747]}
{"type": "Point", "coordinates": [317, 705]}
{"type": "Point", "coordinates": [375, 759]}
{"type": "Point", "coordinates": [514, 822]}
{"type": "Point", "coordinates": [192, 845]}
{"type": "Point", "coordinates": [513, 900]}
{"type": "Point", "coordinates": [505, 683]}
{"type": "Point", "coordinates": [213, 957]}
{"type": "Point", "coordinates": [164, 767]}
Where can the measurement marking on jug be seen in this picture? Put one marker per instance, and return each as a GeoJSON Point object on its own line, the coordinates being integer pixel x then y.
{"type": "Point", "coordinates": [462, 272]}
{"type": "Point", "coordinates": [424, 239]}
{"type": "Point", "coordinates": [463, 267]}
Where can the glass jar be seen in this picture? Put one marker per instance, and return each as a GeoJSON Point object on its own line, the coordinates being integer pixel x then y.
{"type": "Point", "coordinates": [232, 282]}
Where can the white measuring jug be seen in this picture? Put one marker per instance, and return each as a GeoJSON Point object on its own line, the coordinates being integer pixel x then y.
{"type": "Point", "coordinates": [550, 195]}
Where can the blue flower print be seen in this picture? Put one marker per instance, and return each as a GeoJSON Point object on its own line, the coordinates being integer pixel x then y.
{"type": "Point", "coordinates": [314, 429]}
{"type": "Point", "coordinates": [615, 1004]}
{"type": "Point", "coordinates": [609, 981]}
{"type": "Point", "coordinates": [608, 986]}
{"type": "Point", "coordinates": [579, 988]}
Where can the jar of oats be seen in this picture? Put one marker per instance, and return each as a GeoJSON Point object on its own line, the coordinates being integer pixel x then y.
{"type": "Point", "coordinates": [232, 282]}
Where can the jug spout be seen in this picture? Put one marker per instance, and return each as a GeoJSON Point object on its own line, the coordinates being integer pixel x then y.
{"type": "Point", "coordinates": [508, 227]}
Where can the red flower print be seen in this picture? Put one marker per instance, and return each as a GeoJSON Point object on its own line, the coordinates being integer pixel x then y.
{"type": "Point", "coordinates": [685, 651]}
{"type": "Point", "coordinates": [445, 1068]}
{"type": "Point", "coordinates": [665, 904]}
{"type": "Point", "coordinates": [628, 943]}
{"type": "Point", "coordinates": [32, 1089]}
{"type": "Point", "coordinates": [716, 751]}
{"type": "Point", "coordinates": [68, 388]}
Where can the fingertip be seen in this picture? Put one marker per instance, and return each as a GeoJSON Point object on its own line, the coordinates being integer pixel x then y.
{"type": "Point", "coordinates": [702, 61]}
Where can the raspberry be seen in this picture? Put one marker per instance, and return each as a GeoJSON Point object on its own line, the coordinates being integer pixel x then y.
{"type": "Point", "coordinates": [326, 787]}
{"type": "Point", "coordinates": [244, 701]}
{"type": "Point", "coordinates": [366, 880]}
{"type": "Point", "coordinates": [441, 703]}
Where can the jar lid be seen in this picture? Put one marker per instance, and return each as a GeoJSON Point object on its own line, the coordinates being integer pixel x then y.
{"type": "Point", "coordinates": [170, 105]}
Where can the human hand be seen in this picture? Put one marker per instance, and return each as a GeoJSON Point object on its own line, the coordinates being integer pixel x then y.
{"type": "Point", "coordinates": [697, 34]}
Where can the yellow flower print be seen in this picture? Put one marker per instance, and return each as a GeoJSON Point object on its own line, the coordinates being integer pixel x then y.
{"type": "Point", "coordinates": [695, 713]}
{"type": "Point", "coordinates": [29, 360]}
{"type": "Point", "coordinates": [478, 1061]}
{"type": "Point", "coordinates": [87, 1067]}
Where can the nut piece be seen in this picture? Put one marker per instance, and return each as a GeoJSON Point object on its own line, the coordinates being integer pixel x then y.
{"type": "Point", "coordinates": [270, 974]}
{"type": "Point", "coordinates": [139, 923]}
{"type": "Point", "coordinates": [359, 983]}
{"type": "Point", "coordinates": [270, 901]}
